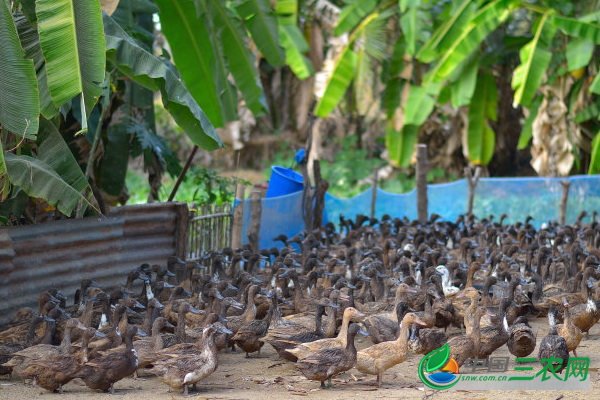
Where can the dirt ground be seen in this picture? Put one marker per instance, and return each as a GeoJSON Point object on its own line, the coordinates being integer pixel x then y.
{"type": "Point", "coordinates": [272, 378]}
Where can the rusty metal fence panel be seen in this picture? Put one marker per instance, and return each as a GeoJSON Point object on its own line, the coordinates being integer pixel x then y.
{"type": "Point", "coordinates": [210, 229]}
{"type": "Point", "coordinates": [59, 254]}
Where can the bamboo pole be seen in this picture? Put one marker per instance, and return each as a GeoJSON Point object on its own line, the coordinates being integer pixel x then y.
{"type": "Point", "coordinates": [472, 181]}
{"type": "Point", "coordinates": [374, 192]}
{"type": "Point", "coordinates": [421, 173]}
{"type": "Point", "coordinates": [254, 230]}
{"type": "Point", "coordinates": [238, 217]}
{"type": "Point", "coordinates": [563, 201]}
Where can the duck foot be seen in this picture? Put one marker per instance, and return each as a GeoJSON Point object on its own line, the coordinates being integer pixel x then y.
{"type": "Point", "coordinates": [575, 352]}
{"type": "Point", "coordinates": [247, 355]}
{"type": "Point", "coordinates": [185, 390]}
{"type": "Point", "coordinates": [323, 385]}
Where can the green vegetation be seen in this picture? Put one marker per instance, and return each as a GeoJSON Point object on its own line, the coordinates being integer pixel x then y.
{"type": "Point", "coordinates": [475, 80]}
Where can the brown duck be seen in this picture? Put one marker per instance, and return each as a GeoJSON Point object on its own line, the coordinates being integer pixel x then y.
{"type": "Point", "coordinates": [327, 362]}
{"type": "Point", "coordinates": [521, 340]}
{"type": "Point", "coordinates": [375, 360]}
{"type": "Point", "coordinates": [102, 372]}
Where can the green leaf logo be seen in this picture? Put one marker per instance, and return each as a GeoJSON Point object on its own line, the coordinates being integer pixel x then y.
{"type": "Point", "coordinates": [437, 358]}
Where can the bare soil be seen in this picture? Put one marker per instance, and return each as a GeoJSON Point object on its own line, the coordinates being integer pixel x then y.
{"type": "Point", "coordinates": [269, 377]}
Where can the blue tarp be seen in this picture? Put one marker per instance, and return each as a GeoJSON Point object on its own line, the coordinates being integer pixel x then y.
{"type": "Point", "coordinates": [517, 197]}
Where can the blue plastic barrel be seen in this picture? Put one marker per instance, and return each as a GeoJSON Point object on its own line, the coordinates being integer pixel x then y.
{"type": "Point", "coordinates": [283, 181]}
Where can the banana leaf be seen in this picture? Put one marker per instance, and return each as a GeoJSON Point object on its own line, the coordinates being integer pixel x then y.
{"type": "Point", "coordinates": [340, 79]}
{"type": "Point", "coordinates": [480, 136]}
{"type": "Point", "coordinates": [420, 103]}
{"type": "Point", "coordinates": [595, 157]}
{"type": "Point", "coordinates": [579, 53]}
{"type": "Point", "coordinates": [192, 52]}
{"type": "Point", "coordinates": [578, 28]}
{"type": "Point", "coordinates": [464, 86]}
{"type": "Point", "coordinates": [401, 144]}
{"type": "Point", "coordinates": [154, 74]}
{"type": "Point", "coordinates": [19, 102]}
{"type": "Point", "coordinates": [54, 151]}
{"type": "Point", "coordinates": [295, 45]}
{"type": "Point", "coordinates": [240, 60]}
{"type": "Point", "coordinates": [72, 41]}
{"type": "Point", "coordinates": [261, 21]}
{"type": "Point", "coordinates": [535, 58]}
{"type": "Point", "coordinates": [391, 96]}
{"type": "Point", "coordinates": [352, 14]}
{"type": "Point", "coordinates": [527, 130]}
{"type": "Point", "coordinates": [39, 180]}
{"type": "Point", "coordinates": [31, 44]}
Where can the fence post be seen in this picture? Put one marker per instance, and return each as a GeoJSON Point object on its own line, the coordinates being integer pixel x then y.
{"type": "Point", "coordinates": [472, 181]}
{"type": "Point", "coordinates": [374, 193]}
{"type": "Point", "coordinates": [563, 201]}
{"type": "Point", "coordinates": [422, 182]}
{"type": "Point", "coordinates": [255, 211]}
{"type": "Point", "coordinates": [321, 187]}
{"type": "Point", "coordinates": [182, 227]}
{"type": "Point", "coordinates": [238, 216]}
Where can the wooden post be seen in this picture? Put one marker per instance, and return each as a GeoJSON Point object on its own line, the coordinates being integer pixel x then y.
{"type": "Point", "coordinates": [238, 217]}
{"type": "Point", "coordinates": [255, 211]}
{"type": "Point", "coordinates": [182, 229]}
{"type": "Point", "coordinates": [321, 187]}
{"type": "Point", "coordinates": [374, 193]}
{"type": "Point", "coordinates": [422, 182]}
{"type": "Point", "coordinates": [563, 201]}
{"type": "Point", "coordinates": [472, 181]}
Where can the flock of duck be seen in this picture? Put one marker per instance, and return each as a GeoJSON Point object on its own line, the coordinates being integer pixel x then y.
{"type": "Point", "coordinates": [401, 283]}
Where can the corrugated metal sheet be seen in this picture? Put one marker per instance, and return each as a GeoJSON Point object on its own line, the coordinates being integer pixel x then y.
{"type": "Point", "coordinates": [60, 254]}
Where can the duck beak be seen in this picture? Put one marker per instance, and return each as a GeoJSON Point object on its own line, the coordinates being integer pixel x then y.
{"type": "Point", "coordinates": [359, 314]}
{"type": "Point", "coordinates": [411, 290]}
{"type": "Point", "coordinates": [54, 299]}
{"type": "Point", "coordinates": [95, 284]}
{"type": "Point", "coordinates": [363, 332]}
{"type": "Point", "coordinates": [141, 333]}
{"type": "Point", "coordinates": [48, 319]}
{"type": "Point", "coordinates": [350, 286]}
{"type": "Point", "coordinates": [222, 320]}
{"type": "Point", "coordinates": [169, 274]}
{"type": "Point", "coordinates": [139, 305]}
{"type": "Point", "coordinates": [99, 335]}
{"type": "Point", "coordinates": [80, 325]}
{"type": "Point", "coordinates": [64, 314]}
{"type": "Point", "coordinates": [193, 310]}
{"type": "Point", "coordinates": [158, 304]}
{"type": "Point", "coordinates": [344, 297]}
{"type": "Point", "coordinates": [333, 305]}
{"type": "Point", "coordinates": [489, 313]}
{"type": "Point", "coordinates": [218, 296]}
{"type": "Point", "coordinates": [167, 285]}
{"type": "Point", "coordinates": [130, 311]}
{"type": "Point", "coordinates": [231, 287]}
{"type": "Point", "coordinates": [237, 305]}
{"type": "Point", "coordinates": [460, 295]}
{"type": "Point", "coordinates": [169, 325]}
{"type": "Point", "coordinates": [127, 291]}
{"type": "Point", "coordinates": [222, 329]}
{"type": "Point", "coordinates": [420, 322]}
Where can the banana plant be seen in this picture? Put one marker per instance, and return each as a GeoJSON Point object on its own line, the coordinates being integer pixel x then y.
{"type": "Point", "coordinates": [447, 47]}
{"type": "Point", "coordinates": [55, 59]}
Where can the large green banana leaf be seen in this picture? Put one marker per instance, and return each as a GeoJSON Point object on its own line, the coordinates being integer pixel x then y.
{"type": "Point", "coordinates": [391, 97]}
{"type": "Point", "coordinates": [192, 52]}
{"type": "Point", "coordinates": [401, 144]}
{"type": "Point", "coordinates": [54, 151]}
{"type": "Point", "coordinates": [114, 165]}
{"type": "Point", "coordinates": [464, 86]}
{"type": "Point", "coordinates": [39, 180]}
{"type": "Point", "coordinates": [31, 44]}
{"type": "Point", "coordinates": [481, 25]}
{"type": "Point", "coordinates": [411, 23]}
{"type": "Point", "coordinates": [19, 102]}
{"type": "Point", "coordinates": [578, 28]}
{"type": "Point", "coordinates": [595, 160]}
{"type": "Point", "coordinates": [480, 136]}
{"type": "Point", "coordinates": [261, 21]}
{"type": "Point", "coordinates": [448, 32]}
{"type": "Point", "coordinates": [72, 41]}
{"type": "Point", "coordinates": [152, 73]}
{"type": "Point", "coordinates": [527, 130]}
{"type": "Point", "coordinates": [239, 58]}
{"type": "Point", "coordinates": [295, 45]}
{"type": "Point", "coordinates": [352, 14]}
{"type": "Point", "coordinates": [340, 79]}
{"type": "Point", "coordinates": [420, 103]}
{"type": "Point", "coordinates": [579, 53]}
{"type": "Point", "coordinates": [535, 58]}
